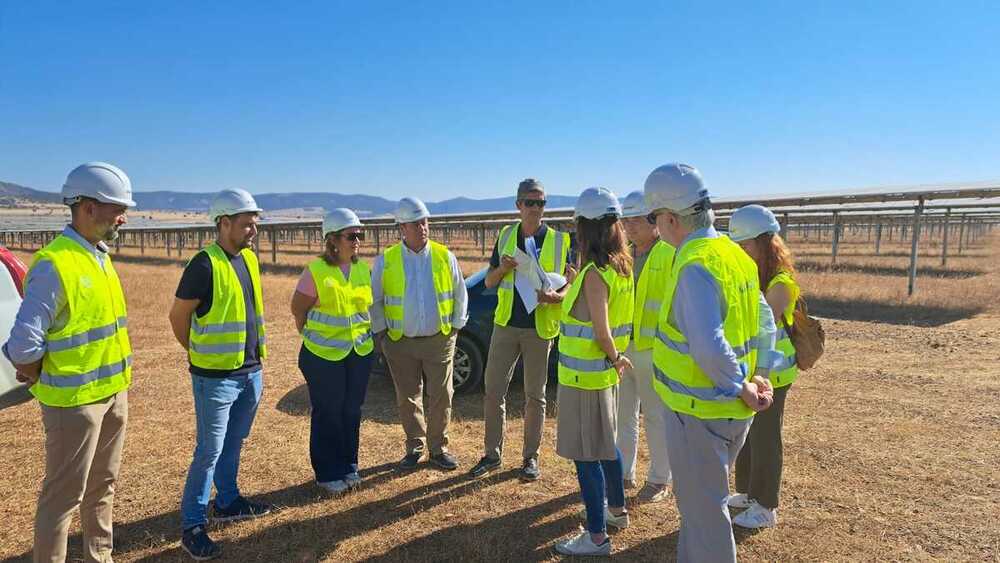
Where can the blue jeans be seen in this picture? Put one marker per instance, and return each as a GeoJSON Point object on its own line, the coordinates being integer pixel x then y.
{"type": "Point", "coordinates": [597, 479]}
{"type": "Point", "coordinates": [224, 410]}
{"type": "Point", "coordinates": [336, 392]}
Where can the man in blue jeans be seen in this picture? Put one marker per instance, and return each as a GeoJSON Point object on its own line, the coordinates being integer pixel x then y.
{"type": "Point", "coordinates": [217, 317]}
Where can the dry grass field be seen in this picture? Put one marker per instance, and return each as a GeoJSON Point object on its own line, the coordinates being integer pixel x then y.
{"type": "Point", "coordinates": [891, 442]}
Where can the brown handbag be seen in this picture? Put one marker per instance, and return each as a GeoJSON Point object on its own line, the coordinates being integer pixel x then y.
{"type": "Point", "coordinates": [807, 336]}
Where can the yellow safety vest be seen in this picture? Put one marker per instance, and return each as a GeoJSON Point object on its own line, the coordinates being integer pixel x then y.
{"type": "Point", "coordinates": [218, 339]}
{"type": "Point", "coordinates": [339, 322]}
{"type": "Point", "coordinates": [90, 358]}
{"type": "Point", "coordinates": [582, 363]}
{"type": "Point", "coordinates": [785, 371]}
{"type": "Point", "coordinates": [394, 287]}
{"type": "Point", "coordinates": [555, 251]}
{"type": "Point", "coordinates": [678, 379]}
{"type": "Point", "coordinates": [649, 293]}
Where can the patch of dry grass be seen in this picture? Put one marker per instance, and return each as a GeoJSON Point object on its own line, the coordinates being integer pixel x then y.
{"type": "Point", "coordinates": [890, 446]}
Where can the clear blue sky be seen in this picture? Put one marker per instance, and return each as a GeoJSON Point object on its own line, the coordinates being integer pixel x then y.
{"type": "Point", "coordinates": [466, 98]}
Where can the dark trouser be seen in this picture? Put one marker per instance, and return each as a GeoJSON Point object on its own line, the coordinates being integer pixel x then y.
{"type": "Point", "coordinates": [600, 481]}
{"type": "Point", "coordinates": [336, 392]}
{"type": "Point", "coordinates": [758, 467]}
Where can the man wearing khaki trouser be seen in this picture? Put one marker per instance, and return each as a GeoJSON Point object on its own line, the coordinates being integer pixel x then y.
{"type": "Point", "coordinates": [419, 305]}
{"type": "Point", "coordinates": [518, 331]}
{"type": "Point", "coordinates": [70, 343]}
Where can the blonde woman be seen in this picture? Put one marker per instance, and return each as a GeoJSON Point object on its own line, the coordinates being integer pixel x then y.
{"type": "Point", "coordinates": [331, 309]}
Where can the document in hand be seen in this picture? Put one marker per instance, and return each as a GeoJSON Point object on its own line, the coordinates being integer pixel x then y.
{"type": "Point", "coordinates": [529, 278]}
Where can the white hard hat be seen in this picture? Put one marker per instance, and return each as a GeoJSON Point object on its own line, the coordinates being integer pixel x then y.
{"type": "Point", "coordinates": [634, 205]}
{"type": "Point", "coordinates": [675, 187]}
{"type": "Point", "coordinates": [231, 202]}
{"type": "Point", "coordinates": [751, 220]}
{"type": "Point", "coordinates": [410, 209]}
{"type": "Point", "coordinates": [98, 180]}
{"type": "Point", "coordinates": [595, 203]}
{"type": "Point", "coordinates": [339, 219]}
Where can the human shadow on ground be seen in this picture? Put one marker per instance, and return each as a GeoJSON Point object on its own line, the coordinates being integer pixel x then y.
{"type": "Point", "coordinates": [890, 312]}
{"type": "Point", "coordinates": [890, 271]}
{"type": "Point", "coordinates": [314, 539]}
{"type": "Point", "coordinates": [380, 403]}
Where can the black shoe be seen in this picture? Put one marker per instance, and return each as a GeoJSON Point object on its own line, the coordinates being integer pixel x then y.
{"type": "Point", "coordinates": [530, 471]}
{"type": "Point", "coordinates": [484, 466]}
{"type": "Point", "coordinates": [411, 460]}
{"type": "Point", "coordinates": [445, 461]}
{"type": "Point", "coordinates": [199, 546]}
{"type": "Point", "coordinates": [240, 509]}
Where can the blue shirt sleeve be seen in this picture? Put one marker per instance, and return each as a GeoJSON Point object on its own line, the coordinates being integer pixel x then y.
{"type": "Point", "coordinates": [766, 332]}
{"type": "Point", "coordinates": [697, 313]}
{"type": "Point", "coordinates": [43, 301]}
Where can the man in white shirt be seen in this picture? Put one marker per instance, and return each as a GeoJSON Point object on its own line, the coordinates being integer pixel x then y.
{"type": "Point", "coordinates": [420, 304]}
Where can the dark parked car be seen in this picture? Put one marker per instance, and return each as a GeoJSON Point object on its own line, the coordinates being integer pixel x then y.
{"type": "Point", "coordinates": [473, 345]}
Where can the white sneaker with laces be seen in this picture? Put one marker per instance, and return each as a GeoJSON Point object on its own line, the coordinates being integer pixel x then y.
{"type": "Point", "coordinates": [757, 517]}
{"type": "Point", "coordinates": [621, 522]}
{"type": "Point", "coordinates": [739, 500]}
{"type": "Point", "coordinates": [334, 487]}
{"type": "Point", "coordinates": [581, 544]}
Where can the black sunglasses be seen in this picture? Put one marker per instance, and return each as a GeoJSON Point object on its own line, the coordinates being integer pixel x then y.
{"type": "Point", "coordinates": [651, 218]}
{"type": "Point", "coordinates": [533, 202]}
{"type": "Point", "coordinates": [358, 236]}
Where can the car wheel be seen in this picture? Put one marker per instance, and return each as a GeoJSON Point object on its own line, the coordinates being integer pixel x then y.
{"type": "Point", "coordinates": [468, 365]}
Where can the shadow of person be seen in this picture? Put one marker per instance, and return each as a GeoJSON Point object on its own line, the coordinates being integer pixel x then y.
{"type": "Point", "coordinates": [315, 538]}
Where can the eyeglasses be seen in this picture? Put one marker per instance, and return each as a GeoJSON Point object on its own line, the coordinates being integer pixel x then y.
{"type": "Point", "coordinates": [533, 202]}
{"type": "Point", "coordinates": [358, 236]}
{"type": "Point", "coordinates": [651, 218]}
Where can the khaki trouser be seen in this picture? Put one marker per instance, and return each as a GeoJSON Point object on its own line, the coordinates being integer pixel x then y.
{"type": "Point", "coordinates": [83, 452]}
{"type": "Point", "coordinates": [411, 361]}
{"type": "Point", "coordinates": [506, 344]}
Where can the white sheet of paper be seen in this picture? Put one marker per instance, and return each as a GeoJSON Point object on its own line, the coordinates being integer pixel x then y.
{"type": "Point", "coordinates": [528, 279]}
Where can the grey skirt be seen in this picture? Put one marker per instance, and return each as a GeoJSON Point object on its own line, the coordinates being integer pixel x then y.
{"type": "Point", "coordinates": [586, 424]}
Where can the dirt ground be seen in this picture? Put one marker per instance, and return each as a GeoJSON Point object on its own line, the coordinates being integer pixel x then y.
{"type": "Point", "coordinates": [891, 443]}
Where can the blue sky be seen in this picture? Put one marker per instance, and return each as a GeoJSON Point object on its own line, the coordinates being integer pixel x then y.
{"type": "Point", "coordinates": [440, 99]}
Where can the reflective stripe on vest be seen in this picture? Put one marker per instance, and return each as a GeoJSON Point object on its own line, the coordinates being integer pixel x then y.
{"type": "Point", "coordinates": [582, 363]}
{"type": "Point", "coordinates": [394, 287]}
{"type": "Point", "coordinates": [552, 258]}
{"type": "Point", "coordinates": [785, 371]}
{"type": "Point", "coordinates": [649, 290]}
{"type": "Point", "coordinates": [339, 322]}
{"type": "Point", "coordinates": [90, 358]}
{"type": "Point", "coordinates": [678, 379]}
{"type": "Point", "coordinates": [218, 339]}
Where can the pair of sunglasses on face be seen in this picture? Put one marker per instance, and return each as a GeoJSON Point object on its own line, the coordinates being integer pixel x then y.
{"type": "Point", "coordinates": [358, 236]}
{"type": "Point", "coordinates": [533, 202]}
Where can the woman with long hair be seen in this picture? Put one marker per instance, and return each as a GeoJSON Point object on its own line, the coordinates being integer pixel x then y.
{"type": "Point", "coordinates": [595, 325]}
{"type": "Point", "coordinates": [758, 467]}
{"type": "Point", "coordinates": [331, 309]}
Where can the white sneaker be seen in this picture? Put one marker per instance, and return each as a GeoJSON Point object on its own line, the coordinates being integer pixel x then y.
{"type": "Point", "coordinates": [739, 500]}
{"type": "Point", "coordinates": [352, 479]}
{"type": "Point", "coordinates": [335, 487]}
{"type": "Point", "coordinates": [620, 522]}
{"type": "Point", "coordinates": [757, 517]}
{"type": "Point", "coordinates": [581, 544]}
{"type": "Point", "coordinates": [652, 492]}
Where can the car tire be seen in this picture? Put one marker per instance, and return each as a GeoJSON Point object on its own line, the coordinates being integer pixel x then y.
{"type": "Point", "coordinates": [468, 365]}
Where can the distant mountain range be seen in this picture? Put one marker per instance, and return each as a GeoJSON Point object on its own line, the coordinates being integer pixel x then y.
{"type": "Point", "coordinates": [365, 205]}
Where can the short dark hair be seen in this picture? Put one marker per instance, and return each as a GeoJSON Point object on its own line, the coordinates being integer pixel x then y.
{"type": "Point", "coordinates": [529, 185]}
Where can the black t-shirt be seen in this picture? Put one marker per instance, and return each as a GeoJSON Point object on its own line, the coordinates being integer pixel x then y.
{"type": "Point", "coordinates": [196, 283]}
{"type": "Point", "coordinates": [519, 316]}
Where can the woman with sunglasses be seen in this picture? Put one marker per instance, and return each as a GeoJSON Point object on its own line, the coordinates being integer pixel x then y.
{"type": "Point", "coordinates": [596, 324]}
{"type": "Point", "coordinates": [758, 466]}
{"type": "Point", "coordinates": [331, 309]}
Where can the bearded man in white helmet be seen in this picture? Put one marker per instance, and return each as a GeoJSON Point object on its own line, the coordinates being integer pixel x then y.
{"type": "Point", "coordinates": [419, 305]}
{"type": "Point", "coordinates": [70, 343]}
{"type": "Point", "coordinates": [218, 317]}
{"type": "Point", "coordinates": [711, 357]}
